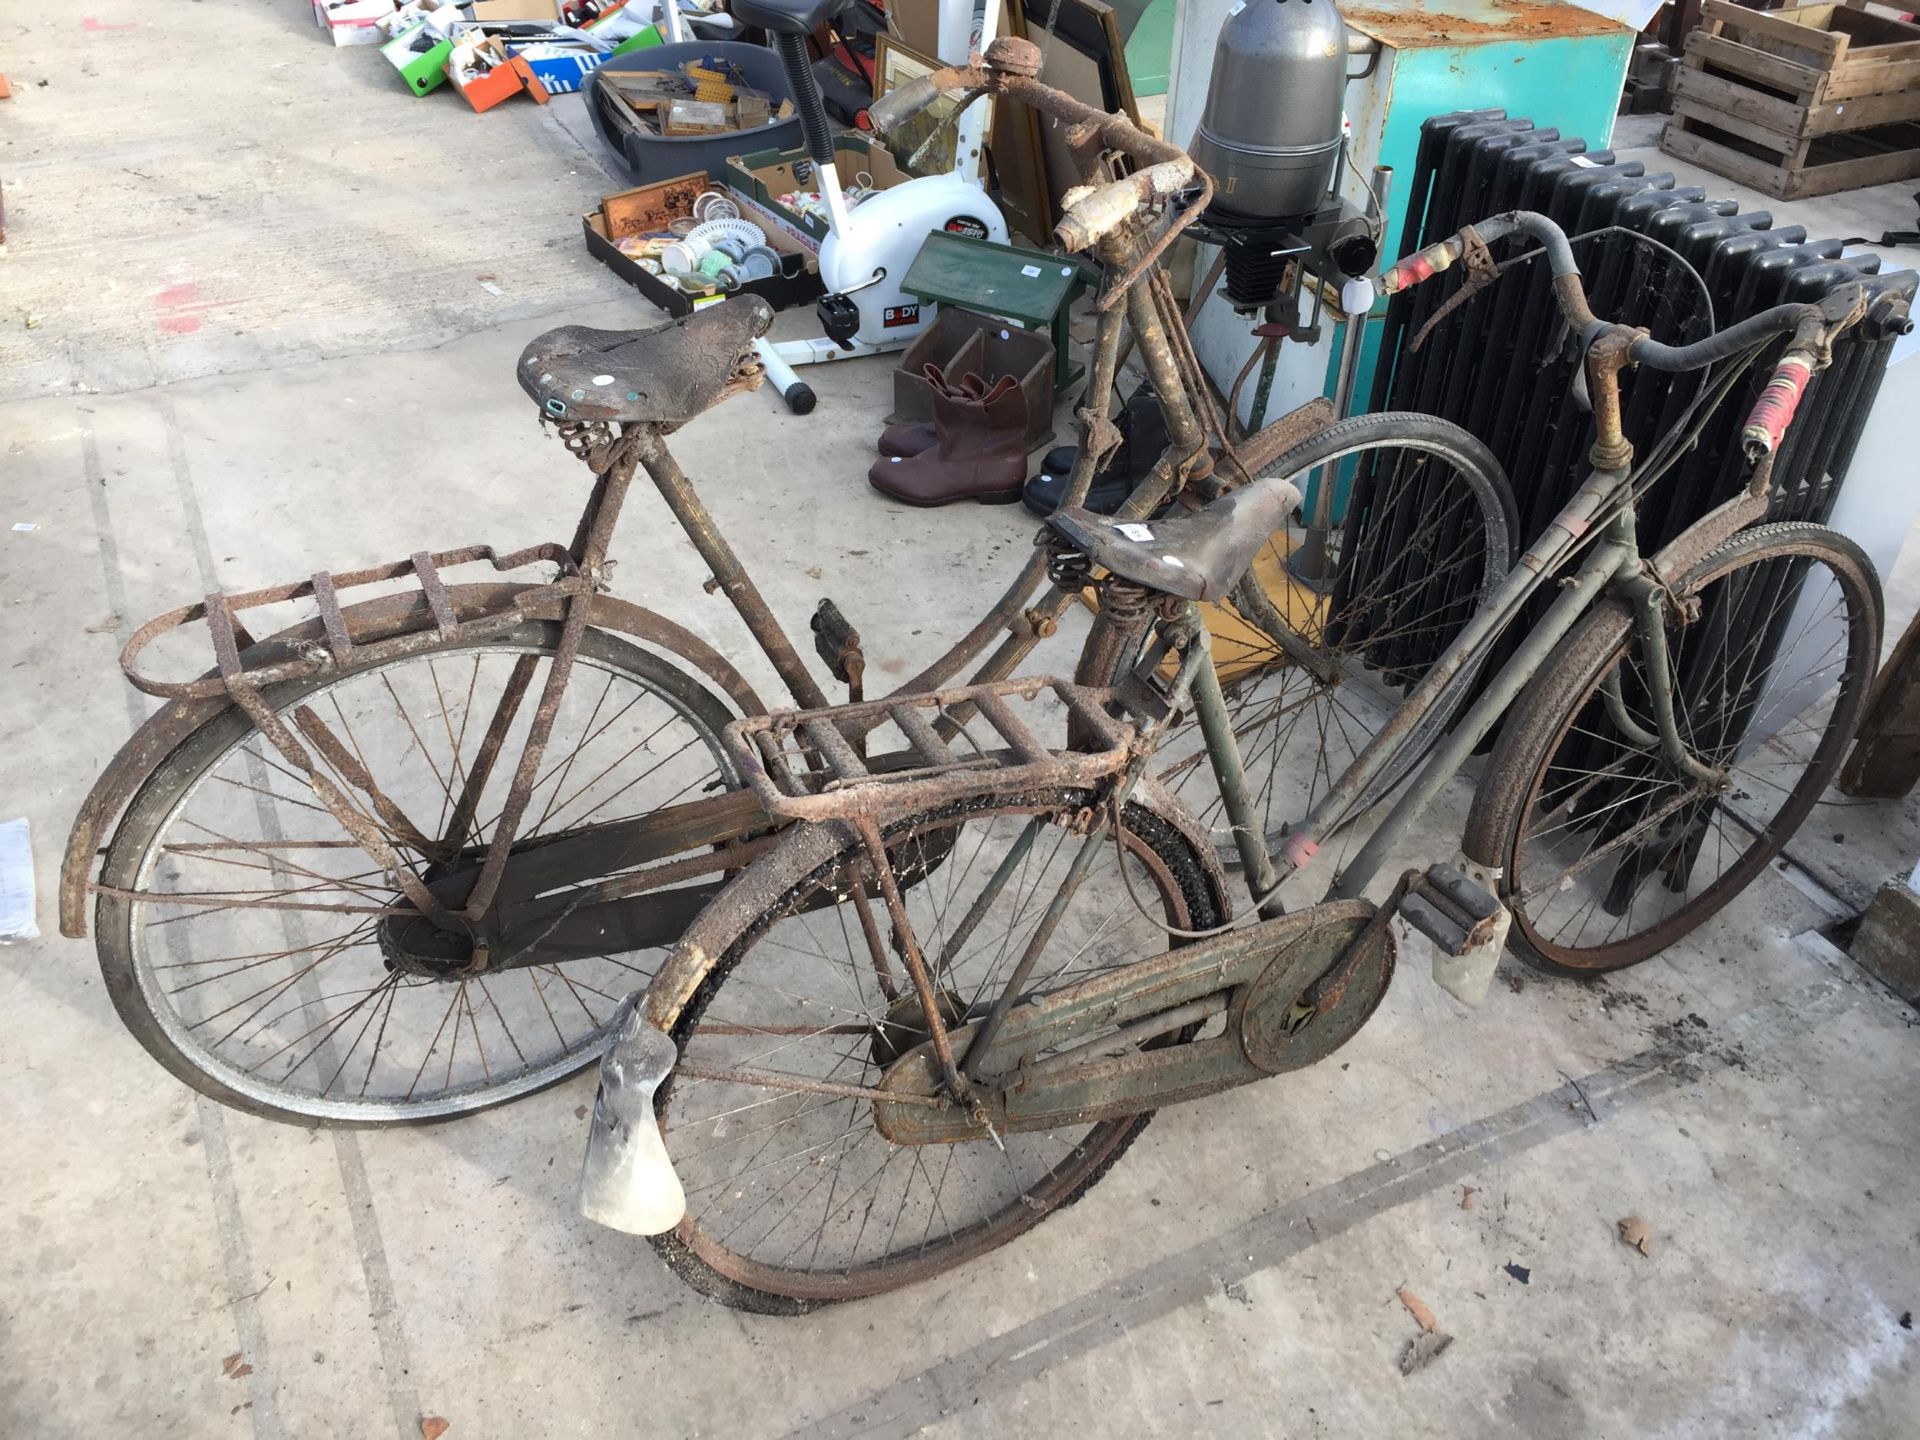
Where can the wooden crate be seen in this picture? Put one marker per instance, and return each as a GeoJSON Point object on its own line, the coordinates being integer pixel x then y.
{"type": "Point", "coordinates": [1799, 102]}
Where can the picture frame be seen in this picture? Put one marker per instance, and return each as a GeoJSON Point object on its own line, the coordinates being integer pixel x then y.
{"type": "Point", "coordinates": [1015, 152]}
{"type": "Point", "coordinates": [1087, 59]}
{"type": "Point", "coordinates": [917, 146]}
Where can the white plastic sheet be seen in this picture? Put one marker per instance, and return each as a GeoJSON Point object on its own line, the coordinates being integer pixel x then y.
{"type": "Point", "coordinates": [16, 883]}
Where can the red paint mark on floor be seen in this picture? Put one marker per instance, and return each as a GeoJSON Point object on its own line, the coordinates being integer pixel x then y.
{"type": "Point", "coordinates": [95, 24]}
{"type": "Point", "coordinates": [172, 302]}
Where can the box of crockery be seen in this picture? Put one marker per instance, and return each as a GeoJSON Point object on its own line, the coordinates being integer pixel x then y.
{"type": "Point", "coordinates": [632, 232]}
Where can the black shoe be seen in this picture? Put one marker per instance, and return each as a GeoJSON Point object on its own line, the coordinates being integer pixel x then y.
{"type": "Point", "coordinates": [1044, 493]}
{"type": "Point", "coordinates": [1139, 419]}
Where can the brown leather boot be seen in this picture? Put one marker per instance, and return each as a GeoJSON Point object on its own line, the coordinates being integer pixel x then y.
{"type": "Point", "coordinates": [909, 440]}
{"type": "Point", "coordinates": [979, 453]}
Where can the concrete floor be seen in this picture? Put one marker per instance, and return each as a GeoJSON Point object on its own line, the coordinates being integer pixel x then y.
{"type": "Point", "coordinates": [265, 338]}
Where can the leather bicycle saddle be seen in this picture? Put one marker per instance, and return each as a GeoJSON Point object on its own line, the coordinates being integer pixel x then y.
{"type": "Point", "coordinates": [1197, 556]}
{"type": "Point", "coordinates": [664, 377]}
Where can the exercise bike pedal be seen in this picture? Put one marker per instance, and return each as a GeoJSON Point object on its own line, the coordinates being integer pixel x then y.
{"type": "Point", "coordinates": [1466, 923]}
{"type": "Point", "coordinates": [839, 316]}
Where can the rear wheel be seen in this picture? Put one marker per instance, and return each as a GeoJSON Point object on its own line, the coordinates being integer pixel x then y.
{"type": "Point", "coordinates": [1608, 854]}
{"type": "Point", "coordinates": [794, 1198]}
{"type": "Point", "coordinates": [1423, 534]}
{"type": "Point", "coordinates": [262, 957]}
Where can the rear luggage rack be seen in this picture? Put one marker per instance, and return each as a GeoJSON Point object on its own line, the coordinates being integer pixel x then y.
{"type": "Point", "coordinates": [808, 764]}
{"type": "Point", "coordinates": [433, 618]}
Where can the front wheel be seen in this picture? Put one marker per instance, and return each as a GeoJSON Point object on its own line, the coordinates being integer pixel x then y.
{"type": "Point", "coordinates": [794, 1197]}
{"type": "Point", "coordinates": [1607, 854]}
{"type": "Point", "coordinates": [1421, 536]}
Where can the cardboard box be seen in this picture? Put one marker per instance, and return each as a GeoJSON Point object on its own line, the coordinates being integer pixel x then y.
{"type": "Point", "coordinates": [546, 10]}
{"type": "Point", "coordinates": [798, 282]}
{"type": "Point", "coordinates": [486, 89]}
{"type": "Point", "coordinates": [562, 68]}
{"type": "Point", "coordinates": [760, 177]}
{"type": "Point", "coordinates": [420, 55]}
{"type": "Point", "coordinates": [353, 22]}
{"type": "Point", "coordinates": [439, 15]}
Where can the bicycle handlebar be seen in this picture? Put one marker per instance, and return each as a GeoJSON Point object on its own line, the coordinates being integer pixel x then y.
{"type": "Point", "coordinates": [1011, 69]}
{"type": "Point", "coordinates": [1814, 328]}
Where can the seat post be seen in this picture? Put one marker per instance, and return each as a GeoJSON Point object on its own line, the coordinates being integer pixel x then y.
{"type": "Point", "coordinates": [792, 50]}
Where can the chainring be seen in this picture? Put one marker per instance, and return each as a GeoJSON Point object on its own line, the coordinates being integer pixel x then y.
{"type": "Point", "coordinates": [1316, 1034]}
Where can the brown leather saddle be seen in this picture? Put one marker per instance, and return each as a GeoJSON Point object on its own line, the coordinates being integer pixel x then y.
{"type": "Point", "coordinates": [1197, 556]}
{"type": "Point", "coordinates": [663, 377]}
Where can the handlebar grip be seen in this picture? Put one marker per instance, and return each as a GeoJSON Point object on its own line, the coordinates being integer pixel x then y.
{"type": "Point", "coordinates": [1096, 213]}
{"type": "Point", "coordinates": [1773, 412]}
{"type": "Point", "coordinates": [900, 105]}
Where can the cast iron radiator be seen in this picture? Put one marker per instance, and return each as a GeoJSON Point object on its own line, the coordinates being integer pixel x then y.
{"type": "Point", "coordinates": [1503, 364]}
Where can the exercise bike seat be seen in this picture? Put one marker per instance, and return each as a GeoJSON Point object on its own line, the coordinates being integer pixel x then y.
{"type": "Point", "coordinates": [1197, 556]}
{"type": "Point", "coordinates": [788, 17]}
{"type": "Point", "coordinates": [665, 376]}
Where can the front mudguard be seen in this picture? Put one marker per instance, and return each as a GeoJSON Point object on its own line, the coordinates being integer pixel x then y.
{"type": "Point", "coordinates": [168, 727]}
{"type": "Point", "coordinates": [751, 891]}
{"type": "Point", "coordinates": [627, 1181]}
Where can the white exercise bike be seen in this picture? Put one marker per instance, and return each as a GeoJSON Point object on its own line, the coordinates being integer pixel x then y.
{"type": "Point", "coordinates": [868, 247]}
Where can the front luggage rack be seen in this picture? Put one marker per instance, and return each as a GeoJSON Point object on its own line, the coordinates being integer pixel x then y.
{"type": "Point", "coordinates": [412, 620]}
{"type": "Point", "coordinates": [809, 764]}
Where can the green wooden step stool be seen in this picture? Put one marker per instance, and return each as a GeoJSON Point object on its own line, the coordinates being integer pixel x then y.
{"type": "Point", "coordinates": [1029, 288]}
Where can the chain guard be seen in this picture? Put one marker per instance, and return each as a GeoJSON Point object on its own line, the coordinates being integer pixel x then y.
{"type": "Point", "coordinates": [1264, 968]}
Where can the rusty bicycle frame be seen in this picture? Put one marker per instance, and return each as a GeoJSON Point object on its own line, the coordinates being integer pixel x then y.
{"type": "Point", "coordinates": [500, 902]}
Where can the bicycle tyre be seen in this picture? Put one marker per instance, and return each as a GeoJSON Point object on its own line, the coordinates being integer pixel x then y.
{"type": "Point", "coordinates": [807, 860]}
{"type": "Point", "coordinates": [1461, 518]}
{"type": "Point", "coordinates": [1561, 716]}
{"type": "Point", "coordinates": [131, 977]}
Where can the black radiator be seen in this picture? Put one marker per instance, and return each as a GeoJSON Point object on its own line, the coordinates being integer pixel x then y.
{"type": "Point", "coordinates": [1503, 365]}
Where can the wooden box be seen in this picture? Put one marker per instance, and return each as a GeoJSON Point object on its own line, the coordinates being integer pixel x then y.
{"type": "Point", "coordinates": [1799, 102]}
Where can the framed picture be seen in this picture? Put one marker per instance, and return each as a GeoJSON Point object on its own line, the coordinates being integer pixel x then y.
{"type": "Point", "coordinates": [1087, 59]}
{"type": "Point", "coordinates": [925, 144]}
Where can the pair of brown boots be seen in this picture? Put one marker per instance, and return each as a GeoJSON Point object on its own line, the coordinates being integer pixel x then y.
{"type": "Point", "coordinates": [975, 449]}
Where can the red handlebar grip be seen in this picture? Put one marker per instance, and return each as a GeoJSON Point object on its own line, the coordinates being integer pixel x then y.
{"type": "Point", "coordinates": [1773, 411]}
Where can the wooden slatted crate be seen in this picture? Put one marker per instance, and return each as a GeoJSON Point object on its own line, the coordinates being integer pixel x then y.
{"type": "Point", "coordinates": [1799, 102]}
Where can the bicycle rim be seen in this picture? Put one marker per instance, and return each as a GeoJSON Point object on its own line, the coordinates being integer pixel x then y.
{"type": "Point", "coordinates": [279, 987]}
{"type": "Point", "coordinates": [794, 1198]}
{"type": "Point", "coordinates": [1423, 538]}
{"type": "Point", "coordinates": [1610, 854]}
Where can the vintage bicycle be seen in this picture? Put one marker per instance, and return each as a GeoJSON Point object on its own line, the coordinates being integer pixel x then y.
{"type": "Point", "coordinates": [400, 857]}
{"type": "Point", "coordinates": [404, 858]}
{"type": "Point", "coordinates": [916, 1025]}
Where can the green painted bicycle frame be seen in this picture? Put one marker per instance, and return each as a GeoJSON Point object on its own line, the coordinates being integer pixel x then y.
{"type": "Point", "coordinates": [1613, 565]}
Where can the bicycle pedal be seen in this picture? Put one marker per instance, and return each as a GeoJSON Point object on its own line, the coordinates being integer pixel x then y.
{"type": "Point", "coordinates": [838, 645]}
{"type": "Point", "coordinates": [1466, 923]}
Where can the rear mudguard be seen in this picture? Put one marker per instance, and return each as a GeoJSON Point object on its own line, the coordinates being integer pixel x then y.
{"type": "Point", "coordinates": [168, 727]}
